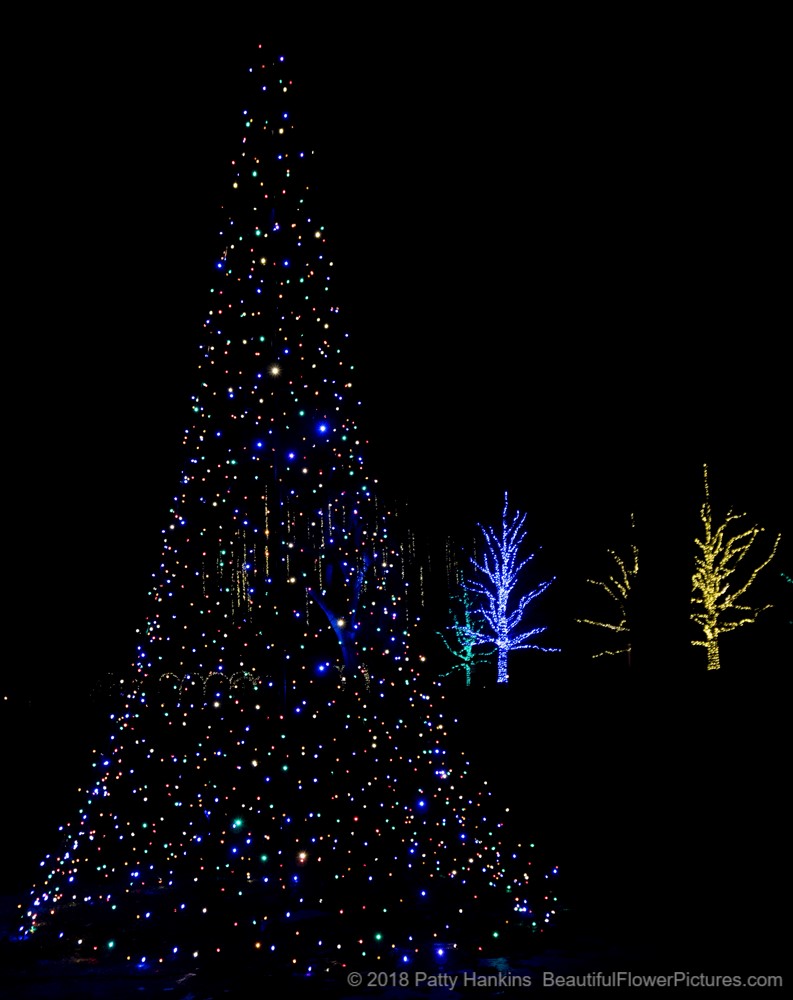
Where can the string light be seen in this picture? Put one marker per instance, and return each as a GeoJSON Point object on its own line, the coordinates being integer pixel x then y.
{"type": "Point", "coordinates": [717, 600]}
{"type": "Point", "coordinates": [618, 588]}
{"type": "Point", "coordinates": [277, 783]}
{"type": "Point", "coordinates": [463, 643]}
{"type": "Point", "coordinates": [502, 607]}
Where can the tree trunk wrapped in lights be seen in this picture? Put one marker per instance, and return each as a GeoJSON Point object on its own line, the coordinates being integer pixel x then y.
{"type": "Point", "coordinates": [502, 605]}
{"type": "Point", "coordinates": [718, 599]}
{"type": "Point", "coordinates": [462, 644]}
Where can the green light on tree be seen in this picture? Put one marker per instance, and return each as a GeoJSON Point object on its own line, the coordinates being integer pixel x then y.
{"type": "Point", "coordinates": [459, 639]}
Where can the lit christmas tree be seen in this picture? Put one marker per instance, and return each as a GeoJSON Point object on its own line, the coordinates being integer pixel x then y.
{"type": "Point", "coordinates": [278, 783]}
{"type": "Point", "coordinates": [717, 599]}
{"type": "Point", "coordinates": [502, 603]}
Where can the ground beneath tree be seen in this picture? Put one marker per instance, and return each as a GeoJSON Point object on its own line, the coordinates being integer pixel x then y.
{"type": "Point", "coordinates": [581, 947]}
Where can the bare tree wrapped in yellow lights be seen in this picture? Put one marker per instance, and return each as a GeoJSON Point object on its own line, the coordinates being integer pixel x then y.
{"type": "Point", "coordinates": [618, 588]}
{"type": "Point", "coordinates": [718, 601]}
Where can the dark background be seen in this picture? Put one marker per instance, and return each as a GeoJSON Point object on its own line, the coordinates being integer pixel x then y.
{"type": "Point", "coordinates": [559, 248]}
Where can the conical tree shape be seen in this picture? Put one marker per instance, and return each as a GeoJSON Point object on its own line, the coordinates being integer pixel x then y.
{"type": "Point", "coordinates": [278, 784]}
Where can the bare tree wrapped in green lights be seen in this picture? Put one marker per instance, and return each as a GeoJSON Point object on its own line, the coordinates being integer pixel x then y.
{"type": "Point", "coordinates": [460, 642]}
{"type": "Point", "coordinates": [718, 601]}
{"type": "Point", "coordinates": [618, 588]}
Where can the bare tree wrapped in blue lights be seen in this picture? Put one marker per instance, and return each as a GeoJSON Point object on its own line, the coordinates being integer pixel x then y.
{"type": "Point", "coordinates": [503, 606]}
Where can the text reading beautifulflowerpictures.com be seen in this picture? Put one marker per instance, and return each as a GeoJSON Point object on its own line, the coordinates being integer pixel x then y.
{"type": "Point", "coordinates": [507, 980]}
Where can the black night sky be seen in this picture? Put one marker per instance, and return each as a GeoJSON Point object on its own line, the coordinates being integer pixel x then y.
{"type": "Point", "coordinates": [559, 253]}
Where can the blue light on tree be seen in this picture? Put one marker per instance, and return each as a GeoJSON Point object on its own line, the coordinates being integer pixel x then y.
{"type": "Point", "coordinates": [502, 605]}
{"type": "Point", "coordinates": [279, 772]}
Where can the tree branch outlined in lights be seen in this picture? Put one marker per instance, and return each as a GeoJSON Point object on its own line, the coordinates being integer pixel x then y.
{"type": "Point", "coordinates": [618, 587]}
{"type": "Point", "coordinates": [499, 574]}
{"type": "Point", "coordinates": [717, 608]}
{"type": "Point", "coordinates": [462, 645]}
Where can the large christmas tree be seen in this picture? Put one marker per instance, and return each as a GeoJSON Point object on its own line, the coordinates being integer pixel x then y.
{"type": "Point", "coordinates": [280, 784]}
